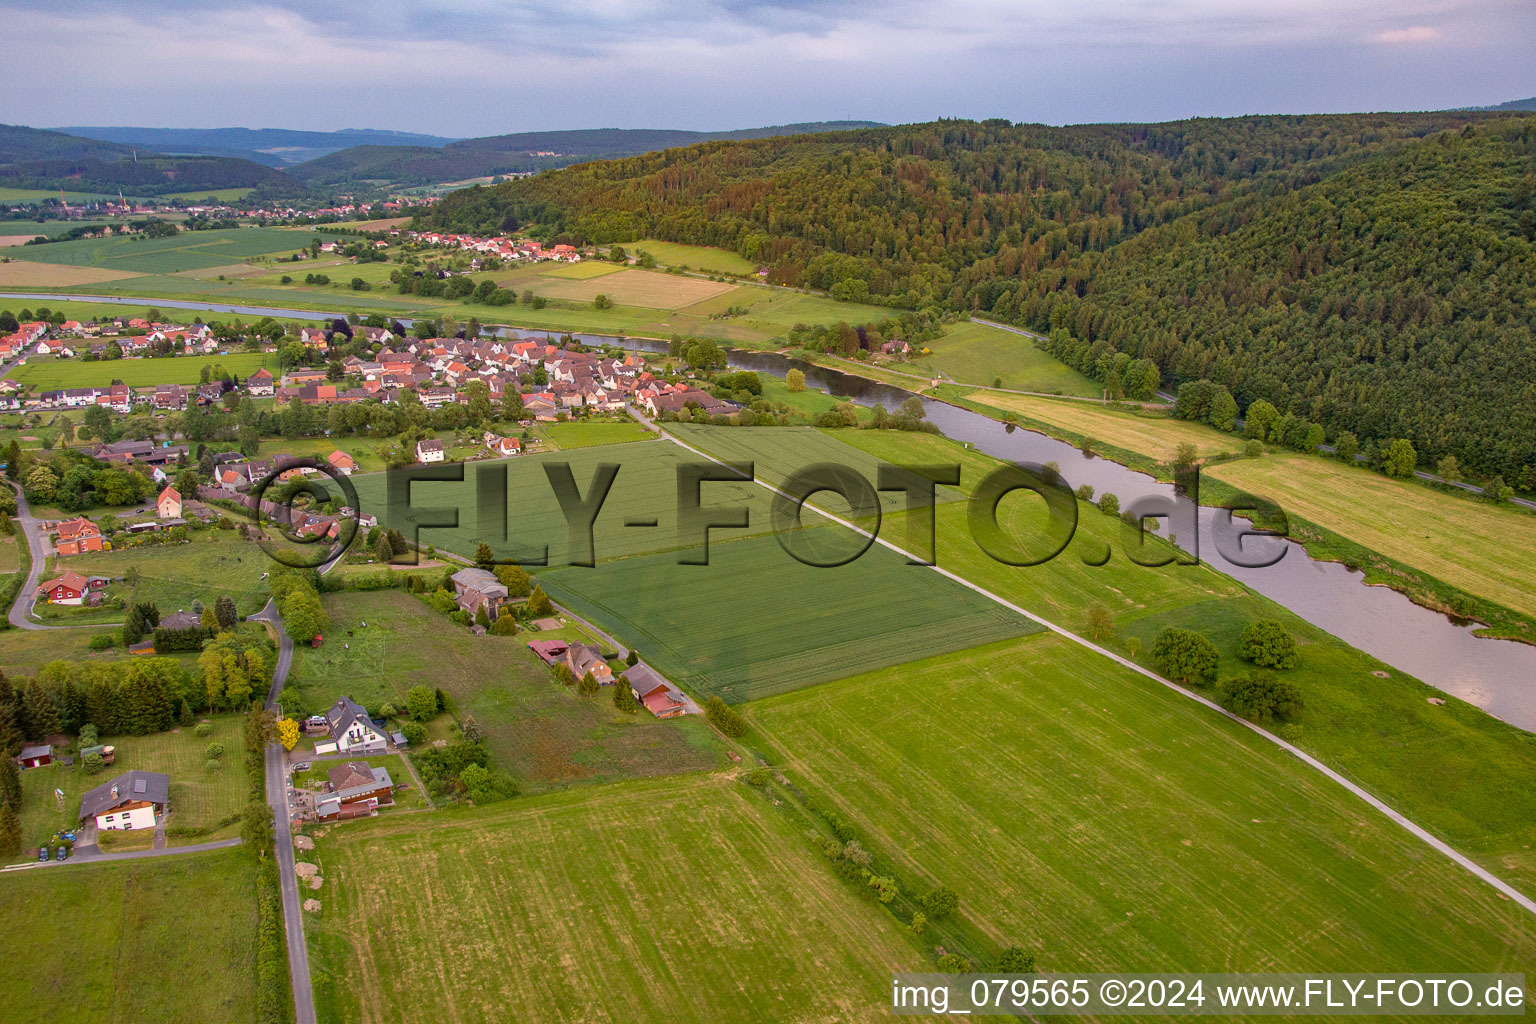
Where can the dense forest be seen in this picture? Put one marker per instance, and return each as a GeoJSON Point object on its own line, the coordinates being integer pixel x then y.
{"type": "Point", "coordinates": [1372, 273]}
{"type": "Point", "coordinates": [37, 159]}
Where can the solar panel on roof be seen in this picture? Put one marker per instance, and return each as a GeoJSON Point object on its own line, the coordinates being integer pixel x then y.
{"type": "Point", "coordinates": [140, 785]}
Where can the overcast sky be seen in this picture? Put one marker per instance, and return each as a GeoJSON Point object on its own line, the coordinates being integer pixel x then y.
{"type": "Point", "coordinates": [482, 67]}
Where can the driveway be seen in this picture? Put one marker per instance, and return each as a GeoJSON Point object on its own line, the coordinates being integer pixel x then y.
{"type": "Point", "coordinates": [37, 542]}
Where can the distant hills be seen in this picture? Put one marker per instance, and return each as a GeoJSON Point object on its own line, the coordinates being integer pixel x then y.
{"type": "Point", "coordinates": [1526, 104]}
{"type": "Point", "coordinates": [523, 151]}
{"type": "Point", "coordinates": [275, 147]}
{"type": "Point", "coordinates": [33, 158]}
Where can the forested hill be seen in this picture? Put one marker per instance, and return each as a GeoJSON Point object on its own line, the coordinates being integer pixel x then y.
{"type": "Point", "coordinates": [1370, 272]}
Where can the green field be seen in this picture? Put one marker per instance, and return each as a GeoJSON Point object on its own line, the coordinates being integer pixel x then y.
{"type": "Point", "coordinates": [973, 353]}
{"type": "Point", "coordinates": [1483, 549]}
{"type": "Point", "coordinates": [697, 257]}
{"type": "Point", "coordinates": [200, 799]}
{"type": "Point", "coordinates": [212, 563]}
{"type": "Point", "coordinates": [1090, 814]}
{"type": "Point", "coordinates": [590, 433]}
{"type": "Point", "coordinates": [1157, 437]}
{"type": "Point", "coordinates": [46, 228]}
{"type": "Point", "coordinates": [43, 373]}
{"type": "Point", "coordinates": [170, 940]}
{"type": "Point", "coordinates": [223, 195]}
{"type": "Point", "coordinates": [646, 486]}
{"type": "Point", "coordinates": [188, 250]}
{"type": "Point", "coordinates": [1454, 769]}
{"type": "Point", "coordinates": [756, 621]}
{"type": "Point", "coordinates": [679, 900]}
{"type": "Point", "coordinates": [540, 732]}
{"type": "Point", "coordinates": [38, 195]}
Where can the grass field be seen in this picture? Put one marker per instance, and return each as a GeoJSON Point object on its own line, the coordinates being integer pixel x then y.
{"type": "Point", "coordinates": [47, 228]}
{"type": "Point", "coordinates": [536, 729]}
{"type": "Point", "coordinates": [579, 271]}
{"type": "Point", "coordinates": [646, 487]}
{"type": "Point", "coordinates": [200, 799]}
{"type": "Point", "coordinates": [1092, 815]}
{"type": "Point", "coordinates": [588, 434]}
{"type": "Point", "coordinates": [35, 195]}
{"type": "Point", "coordinates": [188, 250]}
{"type": "Point", "coordinates": [213, 563]}
{"type": "Point", "coordinates": [697, 257]}
{"type": "Point", "coordinates": [45, 373]}
{"type": "Point", "coordinates": [21, 273]}
{"type": "Point", "coordinates": [636, 288]}
{"type": "Point", "coordinates": [1480, 548]}
{"type": "Point", "coordinates": [1157, 437]}
{"type": "Point", "coordinates": [222, 195]}
{"type": "Point", "coordinates": [756, 621]}
{"type": "Point", "coordinates": [1454, 769]}
{"type": "Point", "coordinates": [171, 940]}
{"type": "Point", "coordinates": [977, 354]}
{"type": "Point", "coordinates": [679, 900]}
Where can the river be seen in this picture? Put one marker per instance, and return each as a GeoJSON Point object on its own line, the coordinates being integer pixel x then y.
{"type": "Point", "coordinates": [1498, 676]}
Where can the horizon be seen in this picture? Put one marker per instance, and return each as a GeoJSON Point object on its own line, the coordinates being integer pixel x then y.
{"type": "Point", "coordinates": [437, 68]}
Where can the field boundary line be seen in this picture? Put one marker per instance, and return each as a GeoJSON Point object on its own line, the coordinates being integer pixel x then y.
{"type": "Point", "coordinates": [1408, 824]}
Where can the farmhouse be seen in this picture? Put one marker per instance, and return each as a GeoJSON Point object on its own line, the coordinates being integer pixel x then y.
{"type": "Point", "coordinates": [584, 658]}
{"type": "Point", "coordinates": [79, 535]}
{"type": "Point", "coordinates": [476, 589]}
{"type": "Point", "coordinates": [660, 697]}
{"type": "Point", "coordinates": [132, 800]}
{"type": "Point", "coordinates": [169, 503]}
{"type": "Point", "coordinates": [35, 757]}
{"type": "Point", "coordinates": [72, 588]}
{"type": "Point", "coordinates": [352, 730]}
{"type": "Point", "coordinates": [342, 462]}
{"type": "Point", "coordinates": [260, 383]}
{"type": "Point", "coordinates": [430, 450]}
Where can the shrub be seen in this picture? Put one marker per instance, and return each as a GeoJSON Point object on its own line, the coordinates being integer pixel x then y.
{"type": "Point", "coordinates": [1267, 643]}
{"type": "Point", "coordinates": [415, 733]}
{"type": "Point", "coordinates": [204, 729]}
{"type": "Point", "coordinates": [758, 776]}
{"type": "Point", "coordinates": [954, 963]}
{"type": "Point", "coordinates": [1260, 697]}
{"type": "Point", "coordinates": [724, 717]}
{"type": "Point", "coordinates": [1109, 503]}
{"type": "Point", "coordinates": [88, 735]}
{"type": "Point", "coordinates": [919, 923]}
{"type": "Point", "coordinates": [1185, 656]}
{"type": "Point", "coordinates": [104, 641]}
{"type": "Point", "coordinates": [420, 703]}
{"type": "Point", "coordinates": [1014, 960]}
{"type": "Point", "coordinates": [93, 763]}
{"type": "Point", "coordinates": [939, 903]}
{"type": "Point", "coordinates": [213, 764]}
{"type": "Point", "coordinates": [214, 750]}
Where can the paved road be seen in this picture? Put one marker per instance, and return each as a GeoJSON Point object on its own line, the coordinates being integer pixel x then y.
{"type": "Point", "coordinates": [37, 541]}
{"type": "Point", "coordinates": [277, 797]}
{"type": "Point", "coordinates": [1430, 840]}
{"type": "Point", "coordinates": [93, 855]}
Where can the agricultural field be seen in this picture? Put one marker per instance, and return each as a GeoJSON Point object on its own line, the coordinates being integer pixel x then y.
{"type": "Point", "coordinates": [200, 799]}
{"type": "Point", "coordinates": [1094, 816]}
{"type": "Point", "coordinates": [38, 195]}
{"type": "Point", "coordinates": [1157, 437]}
{"type": "Point", "coordinates": [653, 900]}
{"type": "Point", "coordinates": [170, 939]}
{"type": "Point", "coordinates": [172, 576]}
{"type": "Point", "coordinates": [696, 257]}
{"type": "Point", "coordinates": [536, 729]}
{"type": "Point", "coordinates": [632, 287]}
{"type": "Point", "coordinates": [582, 271]}
{"type": "Point", "coordinates": [29, 229]}
{"type": "Point", "coordinates": [189, 250]}
{"type": "Point", "coordinates": [590, 433]}
{"type": "Point", "coordinates": [977, 354]}
{"type": "Point", "coordinates": [221, 195]}
{"type": "Point", "coordinates": [1452, 768]}
{"type": "Point", "coordinates": [19, 273]}
{"type": "Point", "coordinates": [1483, 549]}
{"type": "Point", "coordinates": [44, 373]}
{"type": "Point", "coordinates": [756, 621]}
{"type": "Point", "coordinates": [645, 488]}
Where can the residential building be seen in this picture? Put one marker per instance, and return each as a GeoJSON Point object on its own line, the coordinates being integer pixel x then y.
{"type": "Point", "coordinates": [430, 450]}
{"type": "Point", "coordinates": [133, 800]}
{"type": "Point", "coordinates": [352, 730]}
{"type": "Point", "coordinates": [72, 588]}
{"type": "Point", "coordinates": [169, 503]}
{"type": "Point", "coordinates": [477, 588]}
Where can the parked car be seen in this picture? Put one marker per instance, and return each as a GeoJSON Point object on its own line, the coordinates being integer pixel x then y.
{"type": "Point", "coordinates": [302, 766]}
{"type": "Point", "coordinates": [42, 853]}
{"type": "Point", "coordinates": [63, 852]}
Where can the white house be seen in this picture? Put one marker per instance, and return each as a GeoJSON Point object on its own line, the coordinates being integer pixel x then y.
{"type": "Point", "coordinates": [351, 729]}
{"type": "Point", "coordinates": [132, 800]}
{"type": "Point", "coordinates": [430, 450]}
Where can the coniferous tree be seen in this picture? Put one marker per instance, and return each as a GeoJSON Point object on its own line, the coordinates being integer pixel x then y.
{"type": "Point", "coordinates": [10, 830]}
{"type": "Point", "coordinates": [10, 782]}
{"type": "Point", "coordinates": [39, 718]}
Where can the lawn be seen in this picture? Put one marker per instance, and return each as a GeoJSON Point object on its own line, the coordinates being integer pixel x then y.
{"type": "Point", "coordinates": [756, 621]}
{"type": "Point", "coordinates": [977, 354]}
{"type": "Point", "coordinates": [1091, 815]}
{"type": "Point", "coordinates": [542, 733]}
{"type": "Point", "coordinates": [188, 250]}
{"type": "Point", "coordinates": [696, 257]}
{"type": "Point", "coordinates": [679, 900]}
{"type": "Point", "coordinates": [362, 449]}
{"type": "Point", "coordinates": [200, 799]}
{"type": "Point", "coordinates": [1483, 549]}
{"type": "Point", "coordinates": [645, 488]}
{"type": "Point", "coordinates": [1157, 437]}
{"type": "Point", "coordinates": [170, 940]}
{"type": "Point", "coordinates": [44, 373]}
{"type": "Point", "coordinates": [590, 433]}
{"type": "Point", "coordinates": [212, 563]}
